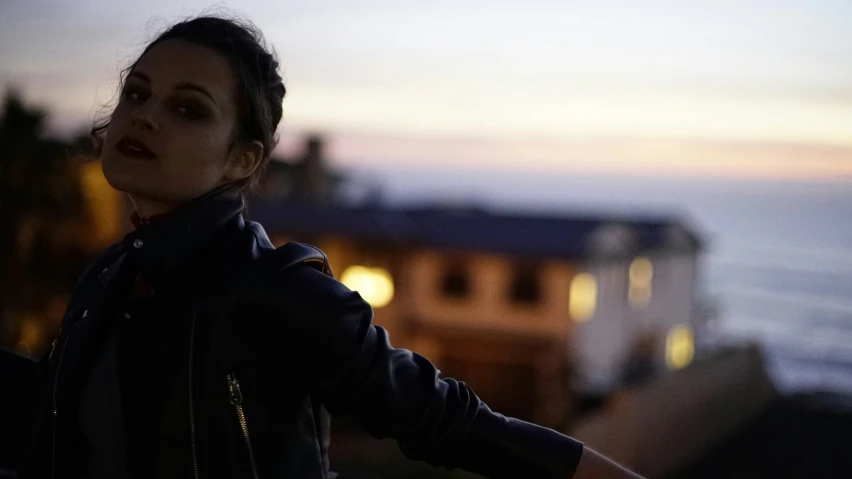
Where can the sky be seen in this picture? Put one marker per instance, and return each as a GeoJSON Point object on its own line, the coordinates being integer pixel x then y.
{"type": "Point", "coordinates": [722, 89]}
{"type": "Point", "coordinates": [734, 116]}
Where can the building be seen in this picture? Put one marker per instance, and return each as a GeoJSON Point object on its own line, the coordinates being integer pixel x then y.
{"type": "Point", "coordinates": [532, 311]}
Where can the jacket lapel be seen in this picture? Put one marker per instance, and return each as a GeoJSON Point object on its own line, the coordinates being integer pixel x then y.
{"type": "Point", "coordinates": [84, 339]}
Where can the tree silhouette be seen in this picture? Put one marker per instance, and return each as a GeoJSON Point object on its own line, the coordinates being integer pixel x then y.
{"type": "Point", "coordinates": [41, 210]}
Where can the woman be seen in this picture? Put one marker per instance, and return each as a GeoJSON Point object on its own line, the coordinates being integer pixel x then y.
{"type": "Point", "coordinates": [193, 348]}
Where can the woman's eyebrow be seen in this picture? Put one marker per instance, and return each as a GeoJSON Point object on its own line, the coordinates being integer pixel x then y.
{"type": "Point", "coordinates": [184, 85]}
{"type": "Point", "coordinates": [139, 75]}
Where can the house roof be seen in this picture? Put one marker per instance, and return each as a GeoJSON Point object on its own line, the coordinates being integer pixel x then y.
{"type": "Point", "coordinates": [530, 235]}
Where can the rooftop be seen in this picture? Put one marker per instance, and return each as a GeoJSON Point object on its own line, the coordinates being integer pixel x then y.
{"type": "Point", "coordinates": [476, 229]}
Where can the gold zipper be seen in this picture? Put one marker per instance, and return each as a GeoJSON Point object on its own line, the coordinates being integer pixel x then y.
{"type": "Point", "coordinates": [53, 347]}
{"type": "Point", "coordinates": [236, 398]}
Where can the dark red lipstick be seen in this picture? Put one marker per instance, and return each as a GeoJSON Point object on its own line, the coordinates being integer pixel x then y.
{"type": "Point", "coordinates": [129, 146]}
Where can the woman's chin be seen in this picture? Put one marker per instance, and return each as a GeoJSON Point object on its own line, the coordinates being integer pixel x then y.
{"type": "Point", "coordinates": [133, 185]}
{"type": "Point", "coordinates": [121, 181]}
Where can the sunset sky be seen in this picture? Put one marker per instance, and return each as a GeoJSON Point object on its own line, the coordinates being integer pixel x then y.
{"type": "Point", "coordinates": [731, 89]}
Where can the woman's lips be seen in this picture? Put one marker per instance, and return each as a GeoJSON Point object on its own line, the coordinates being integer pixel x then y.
{"type": "Point", "coordinates": [134, 148]}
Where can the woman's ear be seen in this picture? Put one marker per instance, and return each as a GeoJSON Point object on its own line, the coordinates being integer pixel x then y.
{"type": "Point", "coordinates": [243, 161]}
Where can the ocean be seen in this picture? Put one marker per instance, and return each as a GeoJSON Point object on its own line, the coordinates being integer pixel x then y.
{"type": "Point", "coordinates": [778, 263]}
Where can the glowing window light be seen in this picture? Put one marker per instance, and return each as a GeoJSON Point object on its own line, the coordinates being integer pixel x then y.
{"type": "Point", "coordinates": [641, 275]}
{"type": "Point", "coordinates": [583, 297]}
{"type": "Point", "coordinates": [680, 347]}
{"type": "Point", "coordinates": [641, 272]}
{"type": "Point", "coordinates": [375, 285]}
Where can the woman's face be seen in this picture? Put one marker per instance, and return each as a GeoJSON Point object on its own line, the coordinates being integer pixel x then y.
{"type": "Point", "coordinates": [170, 136]}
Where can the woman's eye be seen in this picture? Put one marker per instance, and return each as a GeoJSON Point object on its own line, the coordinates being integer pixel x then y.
{"type": "Point", "coordinates": [189, 112]}
{"type": "Point", "coordinates": [132, 95]}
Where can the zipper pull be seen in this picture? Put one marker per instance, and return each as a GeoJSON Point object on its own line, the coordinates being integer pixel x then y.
{"type": "Point", "coordinates": [52, 348]}
{"type": "Point", "coordinates": [234, 390]}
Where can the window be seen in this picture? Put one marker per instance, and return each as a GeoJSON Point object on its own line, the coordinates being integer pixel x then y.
{"type": "Point", "coordinates": [583, 297]}
{"type": "Point", "coordinates": [641, 276]}
{"type": "Point", "coordinates": [375, 285]}
{"type": "Point", "coordinates": [680, 347]}
{"type": "Point", "coordinates": [526, 285]}
{"type": "Point", "coordinates": [455, 283]}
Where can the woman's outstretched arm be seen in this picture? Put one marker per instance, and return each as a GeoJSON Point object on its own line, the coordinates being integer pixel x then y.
{"type": "Point", "coordinates": [350, 365]}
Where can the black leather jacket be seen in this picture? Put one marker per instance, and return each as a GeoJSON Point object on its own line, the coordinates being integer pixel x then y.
{"type": "Point", "coordinates": [261, 343]}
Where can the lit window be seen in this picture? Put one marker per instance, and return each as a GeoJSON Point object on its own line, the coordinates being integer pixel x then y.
{"type": "Point", "coordinates": [641, 275]}
{"type": "Point", "coordinates": [583, 297]}
{"type": "Point", "coordinates": [680, 347]}
{"type": "Point", "coordinates": [375, 285]}
{"type": "Point", "coordinates": [641, 272]}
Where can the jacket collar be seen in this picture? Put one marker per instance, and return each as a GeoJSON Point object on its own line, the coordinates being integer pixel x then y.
{"type": "Point", "coordinates": [161, 247]}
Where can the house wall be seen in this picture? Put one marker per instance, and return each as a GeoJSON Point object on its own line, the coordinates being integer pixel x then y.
{"type": "Point", "coordinates": [488, 307]}
{"type": "Point", "coordinates": [609, 339]}
{"type": "Point", "coordinates": [511, 354]}
{"type": "Point", "coordinates": [600, 344]}
{"type": "Point", "coordinates": [672, 301]}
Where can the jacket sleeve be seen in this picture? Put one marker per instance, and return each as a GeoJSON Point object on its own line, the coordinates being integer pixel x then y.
{"type": "Point", "coordinates": [349, 364]}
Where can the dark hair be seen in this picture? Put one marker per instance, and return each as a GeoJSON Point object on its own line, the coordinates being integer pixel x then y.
{"type": "Point", "coordinates": [260, 89]}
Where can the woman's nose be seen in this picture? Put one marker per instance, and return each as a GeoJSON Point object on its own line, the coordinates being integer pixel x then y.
{"type": "Point", "coordinates": [142, 118]}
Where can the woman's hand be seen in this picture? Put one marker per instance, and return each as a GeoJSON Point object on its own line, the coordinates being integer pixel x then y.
{"type": "Point", "coordinates": [595, 466]}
